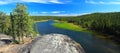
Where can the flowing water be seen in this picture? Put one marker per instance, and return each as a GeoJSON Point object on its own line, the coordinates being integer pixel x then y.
{"type": "Point", "coordinates": [89, 43]}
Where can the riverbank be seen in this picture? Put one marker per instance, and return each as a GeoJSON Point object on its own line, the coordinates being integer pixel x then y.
{"type": "Point", "coordinates": [71, 26]}
{"type": "Point", "coordinates": [68, 26]}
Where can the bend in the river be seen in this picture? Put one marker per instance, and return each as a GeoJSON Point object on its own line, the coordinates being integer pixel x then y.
{"type": "Point", "coordinates": [90, 43]}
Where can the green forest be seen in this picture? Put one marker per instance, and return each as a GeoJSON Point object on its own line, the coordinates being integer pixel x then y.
{"type": "Point", "coordinates": [106, 23]}
{"type": "Point", "coordinates": [18, 24]}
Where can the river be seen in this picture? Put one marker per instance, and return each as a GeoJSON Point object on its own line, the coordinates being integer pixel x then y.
{"type": "Point", "coordinates": [89, 43]}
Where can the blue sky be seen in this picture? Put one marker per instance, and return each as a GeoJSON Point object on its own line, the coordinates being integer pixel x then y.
{"type": "Point", "coordinates": [62, 7]}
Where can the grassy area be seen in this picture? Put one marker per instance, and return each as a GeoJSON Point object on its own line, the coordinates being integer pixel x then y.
{"type": "Point", "coordinates": [69, 26]}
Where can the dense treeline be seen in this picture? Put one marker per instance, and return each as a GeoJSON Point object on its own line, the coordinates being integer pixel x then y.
{"type": "Point", "coordinates": [108, 23]}
{"type": "Point", "coordinates": [18, 25]}
{"type": "Point", "coordinates": [38, 18]}
{"type": "Point", "coordinates": [102, 22]}
{"type": "Point", "coordinates": [4, 23]}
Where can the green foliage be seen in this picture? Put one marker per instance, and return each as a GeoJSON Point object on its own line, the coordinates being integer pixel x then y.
{"type": "Point", "coordinates": [68, 26]}
{"type": "Point", "coordinates": [102, 22]}
{"type": "Point", "coordinates": [21, 22]}
{"type": "Point", "coordinates": [4, 23]}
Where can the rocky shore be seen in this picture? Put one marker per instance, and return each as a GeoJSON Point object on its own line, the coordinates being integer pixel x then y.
{"type": "Point", "coordinates": [51, 43]}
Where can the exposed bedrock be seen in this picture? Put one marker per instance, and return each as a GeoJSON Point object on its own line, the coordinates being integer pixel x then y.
{"type": "Point", "coordinates": [52, 43]}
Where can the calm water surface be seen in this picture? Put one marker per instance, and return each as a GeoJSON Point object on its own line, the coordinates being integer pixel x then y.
{"type": "Point", "coordinates": [90, 43]}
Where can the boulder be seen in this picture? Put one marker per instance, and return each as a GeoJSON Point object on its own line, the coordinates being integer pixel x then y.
{"type": "Point", "coordinates": [5, 39]}
{"type": "Point", "coordinates": [52, 43]}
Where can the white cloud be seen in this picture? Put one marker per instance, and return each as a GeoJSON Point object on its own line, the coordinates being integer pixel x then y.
{"type": "Point", "coordinates": [1, 2]}
{"type": "Point", "coordinates": [34, 1]}
{"type": "Point", "coordinates": [43, 1]}
{"type": "Point", "coordinates": [52, 12]}
{"type": "Point", "coordinates": [72, 14]}
{"type": "Point", "coordinates": [66, 15]}
{"type": "Point", "coordinates": [102, 2]}
{"type": "Point", "coordinates": [56, 1]}
{"type": "Point", "coordinates": [62, 14]}
{"type": "Point", "coordinates": [44, 13]}
{"type": "Point", "coordinates": [56, 12]}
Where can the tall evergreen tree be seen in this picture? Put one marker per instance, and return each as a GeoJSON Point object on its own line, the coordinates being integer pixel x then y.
{"type": "Point", "coordinates": [21, 22]}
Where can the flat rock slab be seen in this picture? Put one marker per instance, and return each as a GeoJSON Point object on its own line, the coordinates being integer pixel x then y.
{"type": "Point", "coordinates": [53, 43]}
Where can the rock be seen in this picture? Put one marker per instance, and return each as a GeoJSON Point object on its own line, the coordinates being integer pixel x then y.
{"type": "Point", "coordinates": [3, 36]}
{"type": "Point", "coordinates": [5, 39]}
{"type": "Point", "coordinates": [2, 43]}
{"type": "Point", "coordinates": [52, 43]}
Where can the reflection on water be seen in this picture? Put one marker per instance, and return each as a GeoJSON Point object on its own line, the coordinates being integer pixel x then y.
{"type": "Point", "coordinates": [89, 43]}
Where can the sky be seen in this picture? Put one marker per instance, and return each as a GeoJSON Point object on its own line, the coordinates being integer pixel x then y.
{"type": "Point", "coordinates": [62, 7]}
